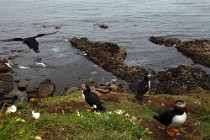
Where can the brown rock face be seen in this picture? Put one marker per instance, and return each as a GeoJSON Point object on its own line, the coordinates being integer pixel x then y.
{"type": "Point", "coordinates": [46, 89]}
{"type": "Point", "coordinates": [3, 67]}
{"type": "Point", "coordinates": [110, 57]}
{"type": "Point", "coordinates": [182, 79]}
{"type": "Point", "coordinates": [6, 83]}
{"type": "Point", "coordinates": [168, 42]}
{"type": "Point", "coordinates": [197, 50]}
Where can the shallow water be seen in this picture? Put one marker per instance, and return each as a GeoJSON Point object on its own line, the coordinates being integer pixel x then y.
{"type": "Point", "coordinates": [131, 23]}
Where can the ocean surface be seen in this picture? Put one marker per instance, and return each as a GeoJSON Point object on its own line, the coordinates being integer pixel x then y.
{"type": "Point", "coordinates": [131, 23]}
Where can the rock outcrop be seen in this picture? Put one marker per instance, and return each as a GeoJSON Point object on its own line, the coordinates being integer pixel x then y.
{"type": "Point", "coordinates": [168, 42]}
{"type": "Point", "coordinates": [197, 50]}
{"type": "Point", "coordinates": [3, 67]}
{"type": "Point", "coordinates": [110, 57]}
{"type": "Point", "coordinates": [46, 89]}
{"type": "Point", "coordinates": [182, 79]}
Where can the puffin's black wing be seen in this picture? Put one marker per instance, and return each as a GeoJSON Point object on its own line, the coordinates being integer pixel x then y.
{"type": "Point", "coordinates": [40, 35]}
{"type": "Point", "coordinates": [93, 99]}
{"type": "Point", "coordinates": [142, 88]}
{"type": "Point", "coordinates": [32, 43]}
{"type": "Point", "coordinates": [12, 39]}
{"type": "Point", "coordinates": [165, 118]}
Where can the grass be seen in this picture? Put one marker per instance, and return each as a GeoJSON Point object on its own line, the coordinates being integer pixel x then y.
{"type": "Point", "coordinates": [68, 117]}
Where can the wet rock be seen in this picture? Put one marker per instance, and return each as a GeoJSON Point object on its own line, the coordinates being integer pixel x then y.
{"type": "Point", "coordinates": [46, 89]}
{"type": "Point", "coordinates": [102, 26]}
{"type": "Point", "coordinates": [22, 86]}
{"type": "Point", "coordinates": [182, 79]}
{"type": "Point", "coordinates": [172, 41]}
{"type": "Point", "coordinates": [31, 89]}
{"type": "Point", "coordinates": [6, 101]}
{"type": "Point", "coordinates": [160, 40]}
{"type": "Point", "coordinates": [8, 98]}
{"type": "Point", "coordinates": [3, 67]}
{"type": "Point", "coordinates": [168, 42]}
{"type": "Point", "coordinates": [6, 83]}
{"type": "Point", "coordinates": [110, 57]}
{"type": "Point", "coordinates": [197, 50]}
{"type": "Point", "coordinates": [71, 90]}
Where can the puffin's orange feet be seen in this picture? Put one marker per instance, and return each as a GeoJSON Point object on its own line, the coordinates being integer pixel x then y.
{"type": "Point", "coordinates": [175, 130]}
{"type": "Point", "coordinates": [170, 133]}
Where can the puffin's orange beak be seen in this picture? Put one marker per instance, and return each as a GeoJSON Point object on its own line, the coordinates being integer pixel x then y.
{"type": "Point", "coordinates": [187, 107]}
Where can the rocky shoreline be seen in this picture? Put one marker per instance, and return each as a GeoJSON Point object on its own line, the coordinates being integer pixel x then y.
{"type": "Point", "coordinates": [197, 50]}
{"type": "Point", "coordinates": [109, 56]}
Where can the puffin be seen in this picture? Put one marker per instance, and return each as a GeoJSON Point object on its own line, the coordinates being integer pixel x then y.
{"type": "Point", "coordinates": [173, 118]}
{"type": "Point", "coordinates": [92, 98]}
{"type": "Point", "coordinates": [30, 41]}
{"type": "Point", "coordinates": [143, 86]}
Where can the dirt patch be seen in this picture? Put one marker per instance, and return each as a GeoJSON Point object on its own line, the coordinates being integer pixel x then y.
{"type": "Point", "coordinates": [112, 97]}
{"type": "Point", "coordinates": [153, 128]}
{"type": "Point", "coordinates": [65, 107]}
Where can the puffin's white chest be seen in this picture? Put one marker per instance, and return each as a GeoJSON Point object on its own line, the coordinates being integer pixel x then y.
{"type": "Point", "coordinates": [179, 119]}
{"type": "Point", "coordinates": [149, 85]}
{"type": "Point", "coordinates": [83, 96]}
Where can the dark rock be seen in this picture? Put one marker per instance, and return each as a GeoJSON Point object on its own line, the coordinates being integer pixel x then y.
{"type": "Point", "coordinates": [16, 81]}
{"type": "Point", "coordinates": [103, 26]}
{"type": "Point", "coordinates": [46, 89]}
{"type": "Point", "coordinates": [6, 101]}
{"type": "Point", "coordinates": [182, 79]}
{"type": "Point", "coordinates": [71, 90]}
{"type": "Point", "coordinates": [172, 41]}
{"type": "Point", "coordinates": [110, 57]}
{"type": "Point", "coordinates": [197, 50]}
{"type": "Point", "coordinates": [22, 86]}
{"type": "Point", "coordinates": [10, 96]}
{"type": "Point", "coordinates": [168, 42]}
{"type": "Point", "coordinates": [6, 83]}
{"type": "Point", "coordinates": [3, 67]}
{"type": "Point", "coordinates": [160, 40]}
{"type": "Point", "coordinates": [31, 89]}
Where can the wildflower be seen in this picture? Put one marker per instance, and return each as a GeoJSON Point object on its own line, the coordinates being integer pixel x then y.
{"type": "Point", "coordinates": [127, 115]}
{"type": "Point", "coordinates": [11, 109]}
{"type": "Point", "coordinates": [78, 114]}
{"type": "Point", "coordinates": [38, 138]}
{"type": "Point", "coordinates": [120, 112]}
{"type": "Point", "coordinates": [35, 115]}
{"type": "Point", "coordinates": [133, 119]}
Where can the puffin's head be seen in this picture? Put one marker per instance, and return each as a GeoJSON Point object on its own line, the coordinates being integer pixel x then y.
{"type": "Point", "coordinates": [149, 73]}
{"type": "Point", "coordinates": [181, 104]}
{"type": "Point", "coordinates": [85, 86]}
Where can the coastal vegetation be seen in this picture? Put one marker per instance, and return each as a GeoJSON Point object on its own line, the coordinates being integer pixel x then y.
{"type": "Point", "coordinates": [68, 117]}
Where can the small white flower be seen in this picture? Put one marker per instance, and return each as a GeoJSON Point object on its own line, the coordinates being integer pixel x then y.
{"type": "Point", "coordinates": [127, 115]}
{"type": "Point", "coordinates": [133, 119]}
{"type": "Point", "coordinates": [11, 109]}
{"type": "Point", "coordinates": [78, 114]}
{"type": "Point", "coordinates": [35, 115]}
{"type": "Point", "coordinates": [120, 112]}
{"type": "Point", "coordinates": [38, 138]}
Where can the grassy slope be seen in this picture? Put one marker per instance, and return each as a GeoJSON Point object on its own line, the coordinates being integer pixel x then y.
{"type": "Point", "coordinates": [68, 117]}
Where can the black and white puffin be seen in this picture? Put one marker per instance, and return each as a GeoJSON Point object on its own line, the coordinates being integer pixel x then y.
{"type": "Point", "coordinates": [91, 98]}
{"type": "Point", "coordinates": [30, 41]}
{"type": "Point", "coordinates": [173, 118]}
{"type": "Point", "coordinates": [143, 86]}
